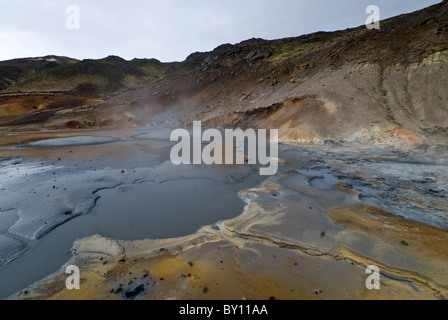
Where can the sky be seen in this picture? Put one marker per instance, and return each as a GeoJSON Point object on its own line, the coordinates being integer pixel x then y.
{"type": "Point", "coordinates": [170, 30]}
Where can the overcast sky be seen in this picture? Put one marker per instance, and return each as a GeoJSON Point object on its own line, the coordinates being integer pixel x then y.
{"type": "Point", "coordinates": [170, 30]}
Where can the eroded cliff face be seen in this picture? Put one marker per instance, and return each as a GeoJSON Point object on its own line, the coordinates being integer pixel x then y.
{"type": "Point", "coordinates": [403, 105]}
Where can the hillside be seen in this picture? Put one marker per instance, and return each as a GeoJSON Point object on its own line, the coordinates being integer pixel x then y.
{"type": "Point", "coordinates": [61, 74]}
{"type": "Point", "coordinates": [385, 87]}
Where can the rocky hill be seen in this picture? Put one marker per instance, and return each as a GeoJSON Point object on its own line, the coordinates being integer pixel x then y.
{"type": "Point", "coordinates": [376, 87]}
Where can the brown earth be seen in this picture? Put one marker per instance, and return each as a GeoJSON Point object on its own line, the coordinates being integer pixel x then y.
{"type": "Point", "coordinates": [384, 87]}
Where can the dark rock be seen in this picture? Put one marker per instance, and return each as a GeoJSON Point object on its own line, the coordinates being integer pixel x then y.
{"type": "Point", "coordinates": [119, 290]}
{"type": "Point", "coordinates": [135, 292]}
